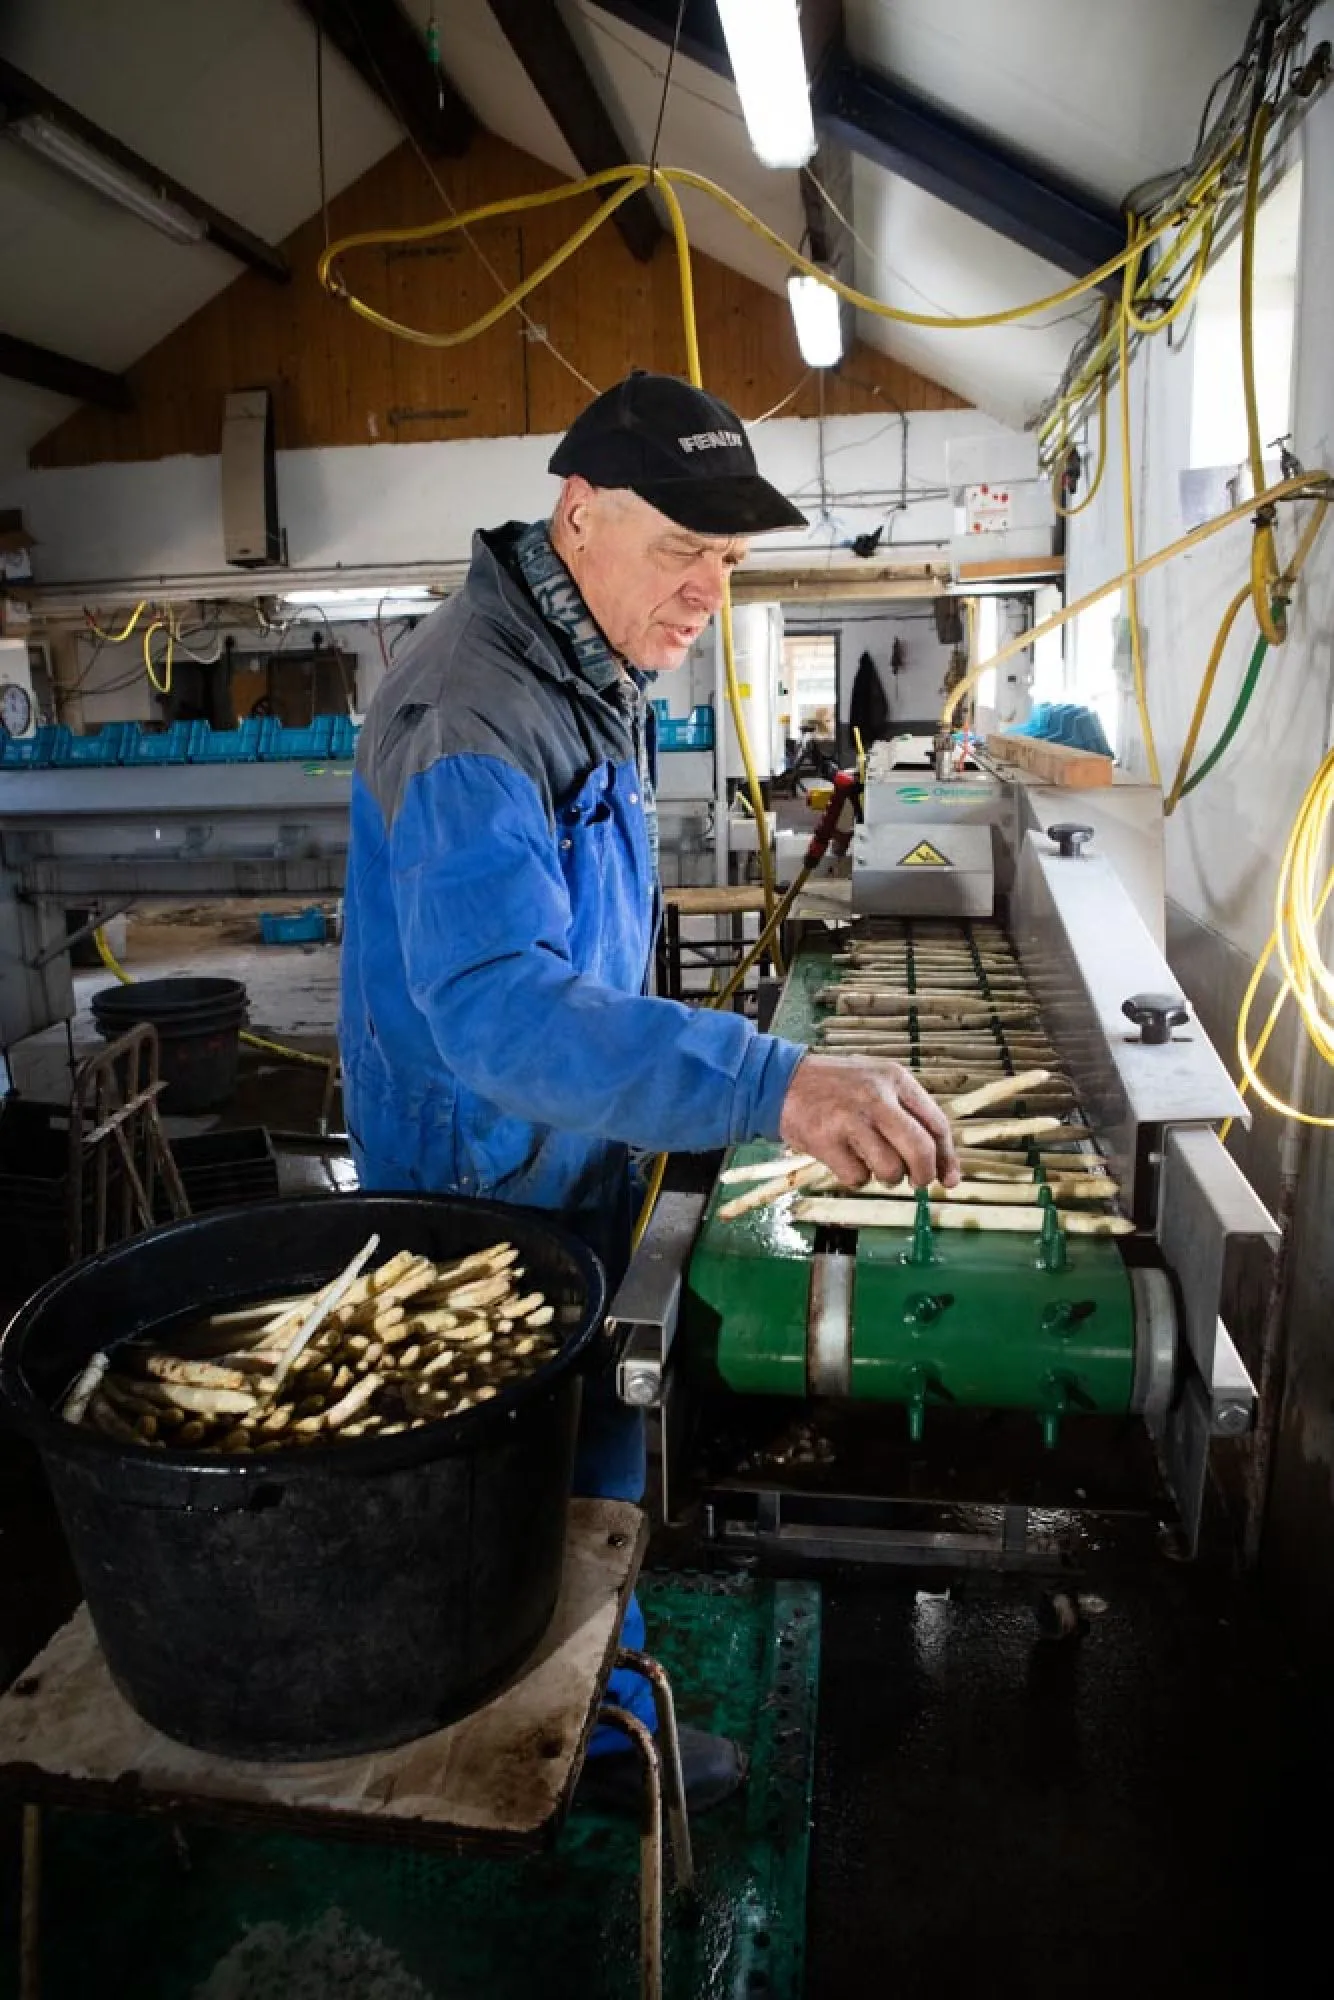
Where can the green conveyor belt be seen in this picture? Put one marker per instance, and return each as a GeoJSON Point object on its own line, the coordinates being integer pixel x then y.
{"type": "Point", "coordinates": [989, 1322]}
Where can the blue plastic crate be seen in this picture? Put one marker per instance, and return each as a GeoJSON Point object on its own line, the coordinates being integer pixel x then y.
{"type": "Point", "coordinates": [306, 927]}
{"type": "Point", "coordinates": [32, 753]}
{"type": "Point", "coordinates": [104, 748]}
{"type": "Point", "coordinates": [695, 733]}
{"type": "Point", "coordinates": [159, 746]}
{"type": "Point", "coordinates": [345, 734]}
{"type": "Point", "coordinates": [242, 745]}
{"type": "Point", "coordinates": [294, 745]}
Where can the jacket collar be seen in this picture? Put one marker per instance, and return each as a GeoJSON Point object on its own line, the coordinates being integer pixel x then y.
{"type": "Point", "coordinates": [495, 589]}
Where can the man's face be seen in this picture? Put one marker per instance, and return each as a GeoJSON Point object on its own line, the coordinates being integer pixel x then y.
{"type": "Point", "coordinates": [652, 586]}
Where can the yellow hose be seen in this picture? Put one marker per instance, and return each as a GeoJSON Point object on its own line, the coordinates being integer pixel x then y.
{"type": "Point", "coordinates": [1128, 525]}
{"type": "Point", "coordinates": [1264, 554]}
{"type": "Point", "coordinates": [117, 971]}
{"type": "Point", "coordinates": [663, 180]}
{"type": "Point", "coordinates": [1229, 619]}
{"type": "Point", "coordinates": [1068, 513]}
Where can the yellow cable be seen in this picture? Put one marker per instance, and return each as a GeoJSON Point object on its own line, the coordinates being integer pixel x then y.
{"type": "Point", "coordinates": [118, 638]}
{"type": "Point", "coordinates": [117, 970]}
{"type": "Point", "coordinates": [1194, 277]}
{"type": "Point", "coordinates": [1068, 513]}
{"type": "Point", "coordinates": [633, 179]}
{"type": "Point", "coordinates": [861, 756]}
{"type": "Point", "coordinates": [1264, 554]}
{"type": "Point", "coordinates": [1128, 523]}
{"type": "Point", "coordinates": [1314, 485]}
{"type": "Point", "coordinates": [1229, 619]}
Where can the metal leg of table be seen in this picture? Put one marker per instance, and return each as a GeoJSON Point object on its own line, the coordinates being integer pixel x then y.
{"type": "Point", "coordinates": [669, 1756]}
{"type": "Point", "coordinates": [650, 1851]}
{"type": "Point", "coordinates": [30, 1905]}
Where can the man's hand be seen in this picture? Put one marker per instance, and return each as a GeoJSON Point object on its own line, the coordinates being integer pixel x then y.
{"type": "Point", "coordinates": [868, 1119]}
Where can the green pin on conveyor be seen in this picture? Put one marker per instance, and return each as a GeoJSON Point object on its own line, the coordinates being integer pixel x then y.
{"type": "Point", "coordinates": [1051, 1242]}
{"type": "Point", "coordinates": [922, 1248]}
{"type": "Point", "coordinates": [922, 1382]}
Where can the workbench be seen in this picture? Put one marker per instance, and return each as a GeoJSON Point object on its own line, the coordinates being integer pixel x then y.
{"type": "Point", "coordinates": [498, 1782]}
{"type": "Point", "coordinates": [734, 903]}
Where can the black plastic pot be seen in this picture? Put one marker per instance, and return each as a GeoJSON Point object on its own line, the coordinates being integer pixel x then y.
{"type": "Point", "coordinates": [198, 1024]}
{"type": "Point", "coordinates": [314, 1601]}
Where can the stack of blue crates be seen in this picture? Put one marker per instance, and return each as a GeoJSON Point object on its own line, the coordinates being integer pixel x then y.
{"type": "Point", "coordinates": [329, 738]}
{"type": "Point", "coordinates": [695, 733]}
{"type": "Point", "coordinates": [1065, 722]}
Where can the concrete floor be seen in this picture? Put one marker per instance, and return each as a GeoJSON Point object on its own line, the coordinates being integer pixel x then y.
{"type": "Point", "coordinates": [1141, 1811]}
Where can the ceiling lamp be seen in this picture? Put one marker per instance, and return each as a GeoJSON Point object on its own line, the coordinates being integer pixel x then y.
{"type": "Point", "coordinates": [764, 44]}
{"type": "Point", "coordinates": [818, 319]}
{"type": "Point", "coordinates": [95, 170]}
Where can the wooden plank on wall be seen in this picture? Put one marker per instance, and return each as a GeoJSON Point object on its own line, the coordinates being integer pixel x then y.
{"type": "Point", "coordinates": [335, 379]}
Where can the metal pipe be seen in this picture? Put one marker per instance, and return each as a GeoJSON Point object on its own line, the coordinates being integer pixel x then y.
{"type": "Point", "coordinates": [650, 1851]}
{"type": "Point", "coordinates": [669, 1755]}
{"type": "Point", "coordinates": [30, 1913]}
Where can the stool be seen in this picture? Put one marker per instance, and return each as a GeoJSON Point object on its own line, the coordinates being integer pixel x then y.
{"type": "Point", "coordinates": [497, 1782]}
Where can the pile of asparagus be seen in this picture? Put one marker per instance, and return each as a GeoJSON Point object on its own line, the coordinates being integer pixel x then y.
{"type": "Point", "coordinates": [371, 1353]}
{"type": "Point", "coordinates": [998, 1190]}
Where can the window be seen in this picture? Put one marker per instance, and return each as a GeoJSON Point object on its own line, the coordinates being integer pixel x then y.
{"type": "Point", "coordinates": [810, 678]}
{"type": "Point", "coordinates": [1218, 411]}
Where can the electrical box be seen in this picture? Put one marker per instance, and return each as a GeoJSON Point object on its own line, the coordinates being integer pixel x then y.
{"type": "Point", "coordinates": [251, 536]}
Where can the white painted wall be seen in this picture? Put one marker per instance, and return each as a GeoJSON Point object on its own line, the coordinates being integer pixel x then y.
{"type": "Point", "coordinates": [914, 692]}
{"type": "Point", "coordinates": [395, 509]}
{"type": "Point", "coordinates": [1224, 843]}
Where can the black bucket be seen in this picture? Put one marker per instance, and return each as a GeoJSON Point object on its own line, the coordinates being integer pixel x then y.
{"type": "Point", "coordinates": [198, 1024]}
{"type": "Point", "coordinates": [324, 1600]}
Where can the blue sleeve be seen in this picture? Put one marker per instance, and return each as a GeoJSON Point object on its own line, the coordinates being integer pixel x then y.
{"type": "Point", "coordinates": [484, 915]}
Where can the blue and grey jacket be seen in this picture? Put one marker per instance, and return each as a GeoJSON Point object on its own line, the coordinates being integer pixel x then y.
{"type": "Point", "coordinates": [496, 1038]}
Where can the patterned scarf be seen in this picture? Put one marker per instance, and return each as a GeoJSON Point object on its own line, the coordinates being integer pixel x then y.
{"type": "Point", "coordinates": [560, 601]}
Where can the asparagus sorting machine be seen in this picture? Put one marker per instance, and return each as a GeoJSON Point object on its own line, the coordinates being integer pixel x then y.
{"type": "Point", "coordinates": [1078, 1271]}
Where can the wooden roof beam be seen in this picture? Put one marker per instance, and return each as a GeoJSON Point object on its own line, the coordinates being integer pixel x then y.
{"type": "Point", "coordinates": [561, 78]}
{"type": "Point", "coordinates": [43, 368]}
{"type": "Point", "coordinates": [386, 50]}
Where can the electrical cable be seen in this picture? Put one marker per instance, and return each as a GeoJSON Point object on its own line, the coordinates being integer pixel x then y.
{"type": "Point", "coordinates": [666, 86]}
{"type": "Point", "coordinates": [1128, 524]}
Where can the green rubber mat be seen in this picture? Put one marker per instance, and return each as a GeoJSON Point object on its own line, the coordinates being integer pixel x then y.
{"type": "Point", "coordinates": [139, 1909]}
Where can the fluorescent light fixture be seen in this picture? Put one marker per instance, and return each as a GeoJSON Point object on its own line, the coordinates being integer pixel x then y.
{"type": "Point", "coordinates": [764, 43]}
{"type": "Point", "coordinates": [409, 600]}
{"type": "Point", "coordinates": [816, 315]}
{"type": "Point", "coordinates": [84, 163]}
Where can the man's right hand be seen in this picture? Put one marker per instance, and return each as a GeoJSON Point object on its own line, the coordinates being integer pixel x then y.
{"type": "Point", "coordinates": [866, 1119]}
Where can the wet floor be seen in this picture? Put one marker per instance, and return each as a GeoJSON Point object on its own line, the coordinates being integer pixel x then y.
{"type": "Point", "coordinates": [1137, 1811]}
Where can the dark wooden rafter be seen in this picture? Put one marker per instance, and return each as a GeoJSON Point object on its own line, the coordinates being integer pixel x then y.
{"type": "Point", "coordinates": [22, 96]}
{"type": "Point", "coordinates": [386, 49]}
{"type": "Point", "coordinates": [557, 70]}
{"type": "Point", "coordinates": [885, 121]}
{"type": "Point", "coordinates": [42, 368]}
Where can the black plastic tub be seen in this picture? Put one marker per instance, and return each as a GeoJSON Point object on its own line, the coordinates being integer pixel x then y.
{"type": "Point", "coordinates": [198, 1024]}
{"type": "Point", "coordinates": [316, 1601]}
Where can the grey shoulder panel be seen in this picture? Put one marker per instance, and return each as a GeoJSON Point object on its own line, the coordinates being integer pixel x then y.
{"type": "Point", "coordinates": [462, 688]}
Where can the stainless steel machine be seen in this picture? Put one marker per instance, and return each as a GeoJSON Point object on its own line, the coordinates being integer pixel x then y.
{"type": "Point", "coordinates": [988, 922]}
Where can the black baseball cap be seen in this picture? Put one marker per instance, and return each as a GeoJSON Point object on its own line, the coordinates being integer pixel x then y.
{"type": "Point", "coordinates": [683, 451]}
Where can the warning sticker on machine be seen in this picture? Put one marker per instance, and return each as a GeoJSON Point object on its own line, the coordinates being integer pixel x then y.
{"type": "Point", "coordinates": [924, 855]}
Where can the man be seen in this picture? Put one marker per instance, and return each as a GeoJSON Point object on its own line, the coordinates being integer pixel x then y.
{"type": "Point", "coordinates": [501, 894]}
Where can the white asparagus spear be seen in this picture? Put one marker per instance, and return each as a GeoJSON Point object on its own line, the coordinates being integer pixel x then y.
{"type": "Point", "coordinates": [766, 1170]}
{"type": "Point", "coordinates": [81, 1395]}
{"type": "Point", "coordinates": [1003, 1091]}
{"type": "Point", "coordinates": [773, 1190]}
{"type": "Point", "coordinates": [330, 1297]}
{"type": "Point", "coordinates": [186, 1396]}
{"type": "Point", "coordinates": [874, 1212]}
{"type": "Point", "coordinates": [175, 1368]}
{"type": "Point", "coordinates": [995, 1131]}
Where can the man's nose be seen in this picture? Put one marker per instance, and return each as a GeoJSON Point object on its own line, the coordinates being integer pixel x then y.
{"type": "Point", "coordinates": [706, 584]}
